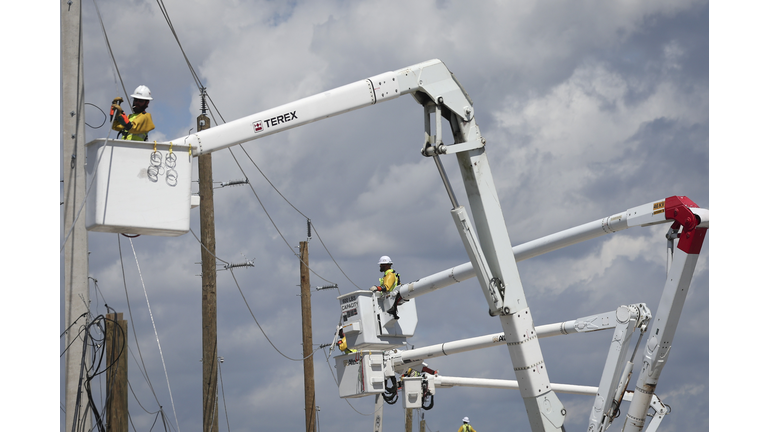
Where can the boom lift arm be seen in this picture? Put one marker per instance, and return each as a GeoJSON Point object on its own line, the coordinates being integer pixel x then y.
{"type": "Point", "coordinates": [435, 88]}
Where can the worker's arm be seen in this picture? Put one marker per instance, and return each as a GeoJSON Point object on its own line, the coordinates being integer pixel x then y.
{"type": "Point", "coordinates": [142, 123]}
{"type": "Point", "coordinates": [120, 121]}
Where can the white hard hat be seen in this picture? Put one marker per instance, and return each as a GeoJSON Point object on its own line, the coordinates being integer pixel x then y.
{"type": "Point", "coordinates": [142, 92]}
{"type": "Point", "coordinates": [466, 419]}
{"type": "Point", "coordinates": [385, 260]}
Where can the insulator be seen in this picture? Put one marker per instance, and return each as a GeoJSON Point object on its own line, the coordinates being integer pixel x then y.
{"type": "Point", "coordinates": [309, 228]}
{"type": "Point", "coordinates": [325, 287]}
{"type": "Point", "coordinates": [235, 265]}
{"type": "Point", "coordinates": [234, 182]}
{"type": "Point", "coordinates": [202, 101]}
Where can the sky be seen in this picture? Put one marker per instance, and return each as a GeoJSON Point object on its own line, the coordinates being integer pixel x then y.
{"type": "Point", "coordinates": [588, 108]}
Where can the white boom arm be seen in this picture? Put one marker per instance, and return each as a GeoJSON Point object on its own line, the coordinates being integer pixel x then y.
{"type": "Point", "coordinates": [431, 78]}
{"type": "Point", "coordinates": [403, 359]}
{"type": "Point", "coordinates": [644, 215]}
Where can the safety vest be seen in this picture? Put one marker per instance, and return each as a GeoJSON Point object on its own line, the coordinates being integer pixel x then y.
{"type": "Point", "coordinates": [390, 280]}
{"type": "Point", "coordinates": [466, 428]}
{"type": "Point", "coordinates": [142, 124]}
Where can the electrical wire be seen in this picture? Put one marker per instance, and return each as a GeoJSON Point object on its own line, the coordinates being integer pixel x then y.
{"type": "Point", "coordinates": [273, 222]}
{"type": "Point", "coordinates": [201, 88]}
{"type": "Point", "coordinates": [152, 318]}
{"type": "Point", "coordinates": [223, 397]}
{"type": "Point", "coordinates": [297, 210]}
{"type": "Point", "coordinates": [85, 198]}
{"type": "Point", "coordinates": [167, 17]}
{"type": "Point", "coordinates": [248, 305]}
{"type": "Point", "coordinates": [259, 325]}
{"type": "Point", "coordinates": [142, 372]}
{"type": "Point", "coordinates": [102, 112]}
{"type": "Point", "coordinates": [328, 361]}
{"type": "Point", "coordinates": [109, 48]}
{"type": "Point", "coordinates": [143, 367]}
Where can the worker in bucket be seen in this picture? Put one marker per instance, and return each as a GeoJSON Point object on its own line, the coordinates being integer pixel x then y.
{"type": "Point", "coordinates": [466, 427]}
{"type": "Point", "coordinates": [136, 126]}
{"type": "Point", "coordinates": [390, 279]}
{"type": "Point", "coordinates": [388, 282]}
{"type": "Point", "coordinates": [342, 343]}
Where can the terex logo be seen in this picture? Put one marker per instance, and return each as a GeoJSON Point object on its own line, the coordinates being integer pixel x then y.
{"type": "Point", "coordinates": [258, 126]}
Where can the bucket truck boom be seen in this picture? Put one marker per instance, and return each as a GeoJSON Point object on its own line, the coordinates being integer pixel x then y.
{"type": "Point", "coordinates": [437, 90]}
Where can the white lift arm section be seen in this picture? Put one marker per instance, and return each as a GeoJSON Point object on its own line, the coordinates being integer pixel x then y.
{"type": "Point", "coordinates": [648, 214]}
{"type": "Point", "coordinates": [404, 359]}
{"type": "Point", "coordinates": [431, 78]}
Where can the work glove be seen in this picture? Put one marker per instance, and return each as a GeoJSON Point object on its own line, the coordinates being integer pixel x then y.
{"type": "Point", "coordinates": [122, 121]}
{"type": "Point", "coordinates": [115, 108]}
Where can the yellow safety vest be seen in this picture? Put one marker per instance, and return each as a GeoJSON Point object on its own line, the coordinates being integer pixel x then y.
{"type": "Point", "coordinates": [142, 124]}
{"type": "Point", "coordinates": [390, 280]}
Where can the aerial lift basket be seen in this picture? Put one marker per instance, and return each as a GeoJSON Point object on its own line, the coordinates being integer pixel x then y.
{"type": "Point", "coordinates": [138, 187]}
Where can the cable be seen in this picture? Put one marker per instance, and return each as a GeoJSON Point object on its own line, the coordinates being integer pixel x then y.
{"type": "Point", "coordinates": [221, 379]}
{"type": "Point", "coordinates": [294, 207]}
{"type": "Point", "coordinates": [109, 48]}
{"type": "Point", "coordinates": [143, 367]}
{"type": "Point", "coordinates": [85, 198]}
{"type": "Point", "coordinates": [167, 17]}
{"type": "Point", "coordinates": [272, 221]}
{"type": "Point", "coordinates": [259, 325]}
{"type": "Point", "coordinates": [200, 87]}
{"type": "Point", "coordinates": [102, 111]}
{"type": "Point", "coordinates": [328, 361]}
{"type": "Point", "coordinates": [152, 318]}
{"type": "Point", "coordinates": [247, 305]}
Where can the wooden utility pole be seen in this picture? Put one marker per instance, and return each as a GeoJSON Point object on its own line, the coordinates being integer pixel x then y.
{"type": "Point", "coordinates": [75, 250]}
{"type": "Point", "coordinates": [117, 375]}
{"type": "Point", "coordinates": [306, 338]}
{"type": "Point", "coordinates": [208, 252]}
{"type": "Point", "coordinates": [408, 419]}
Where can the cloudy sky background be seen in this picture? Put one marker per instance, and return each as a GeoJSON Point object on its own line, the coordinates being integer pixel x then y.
{"type": "Point", "coordinates": [588, 108]}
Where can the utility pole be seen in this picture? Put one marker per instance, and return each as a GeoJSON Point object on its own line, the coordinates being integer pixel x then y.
{"type": "Point", "coordinates": [378, 413]}
{"type": "Point", "coordinates": [116, 333]}
{"type": "Point", "coordinates": [408, 419]}
{"type": "Point", "coordinates": [306, 339]}
{"type": "Point", "coordinates": [76, 295]}
{"type": "Point", "coordinates": [207, 251]}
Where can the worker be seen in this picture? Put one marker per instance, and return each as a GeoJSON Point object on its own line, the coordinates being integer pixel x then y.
{"type": "Point", "coordinates": [388, 282]}
{"type": "Point", "coordinates": [134, 127]}
{"type": "Point", "coordinates": [466, 427]}
{"type": "Point", "coordinates": [342, 343]}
